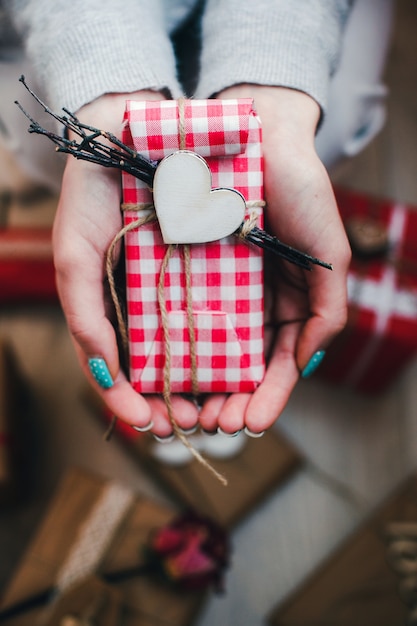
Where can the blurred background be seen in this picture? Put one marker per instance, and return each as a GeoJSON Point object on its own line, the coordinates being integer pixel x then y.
{"type": "Point", "coordinates": [356, 447]}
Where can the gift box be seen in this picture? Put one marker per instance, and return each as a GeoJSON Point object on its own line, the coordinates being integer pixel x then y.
{"type": "Point", "coordinates": [213, 300]}
{"type": "Point", "coordinates": [27, 272]}
{"type": "Point", "coordinates": [99, 525]}
{"type": "Point", "coordinates": [370, 579]}
{"type": "Point", "coordinates": [380, 337]}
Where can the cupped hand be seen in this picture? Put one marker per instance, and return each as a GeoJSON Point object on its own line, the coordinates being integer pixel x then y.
{"type": "Point", "coordinates": [88, 217]}
{"type": "Point", "coordinates": [304, 310]}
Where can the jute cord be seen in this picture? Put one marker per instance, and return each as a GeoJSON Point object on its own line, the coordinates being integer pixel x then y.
{"type": "Point", "coordinates": [167, 370]}
{"type": "Point", "coordinates": [150, 216]}
{"type": "Point", "coordinates": [190, 320]}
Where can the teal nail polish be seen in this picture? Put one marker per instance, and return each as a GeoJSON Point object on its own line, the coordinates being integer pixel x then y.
{"type": "Point", "coordinates": [313, 363]}
{"type": "Point", "coordinates": [100, 371]}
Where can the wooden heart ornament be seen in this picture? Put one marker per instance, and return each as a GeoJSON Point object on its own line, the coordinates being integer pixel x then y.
{"type": "Point", "coordinates": [188, 209]}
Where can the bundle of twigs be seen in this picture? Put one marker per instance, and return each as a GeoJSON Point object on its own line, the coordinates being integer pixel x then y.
{"type": "Point", "coordinates": [115, 154]}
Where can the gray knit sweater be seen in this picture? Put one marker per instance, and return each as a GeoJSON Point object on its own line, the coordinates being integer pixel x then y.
{"type": "Point", "coordinates": [82, 49]}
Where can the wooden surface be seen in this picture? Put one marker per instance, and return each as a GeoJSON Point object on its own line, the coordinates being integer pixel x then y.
{"type": "Point", "coordinates": [357, 448]}
{"type": "Point", "coordinates": [261, 466]}
{"type": "Point", "coordinates": [363, 577]}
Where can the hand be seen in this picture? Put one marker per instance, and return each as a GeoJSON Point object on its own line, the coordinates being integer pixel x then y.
{"type": "Point", "coordinates": [304, 310]}
{"type": "Point", "coordinates": [87, 219]}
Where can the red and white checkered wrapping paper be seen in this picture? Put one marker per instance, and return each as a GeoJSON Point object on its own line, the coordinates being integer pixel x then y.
{"type": "Point", "coordinates": [381, 333]}
{"type": "Point", "coordinates": [226, 275]}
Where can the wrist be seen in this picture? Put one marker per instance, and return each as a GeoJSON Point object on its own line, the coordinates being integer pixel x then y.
{"type": "Point", "coordinates": [283, 112]}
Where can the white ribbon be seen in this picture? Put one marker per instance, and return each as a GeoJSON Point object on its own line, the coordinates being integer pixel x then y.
{"type": "Point", "coordinates": [382, 297]}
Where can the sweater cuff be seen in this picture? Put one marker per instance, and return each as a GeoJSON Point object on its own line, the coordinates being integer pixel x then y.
{"type": "Point", "coordinates": [102, 52]}
{"type": "Point", "coordinates": [293, 48]}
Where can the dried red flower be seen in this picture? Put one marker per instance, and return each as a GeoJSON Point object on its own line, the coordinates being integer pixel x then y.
{"type": "Point", "coordinates": [192, 552]}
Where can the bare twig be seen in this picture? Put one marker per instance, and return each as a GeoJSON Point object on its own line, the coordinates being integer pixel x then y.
{"type": "Point", "coordinates": [115, 154]}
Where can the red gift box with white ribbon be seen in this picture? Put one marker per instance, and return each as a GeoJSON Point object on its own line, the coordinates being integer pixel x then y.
{"type": "Point", "coordinates": [381, 334]}
{"type": "Point", "coordinates": [212, 289]}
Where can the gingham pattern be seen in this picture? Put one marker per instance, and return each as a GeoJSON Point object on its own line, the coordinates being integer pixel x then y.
{"type": "Point", "coordinates": [226, 275]}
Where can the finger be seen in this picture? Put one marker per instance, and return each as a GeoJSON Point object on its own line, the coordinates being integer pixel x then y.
{"type": "Point", "coordinates": [328, 309]}
{"type": "Point", "coordinates": [185, 415]}
{"type": "Point", "coordinates": [232, 415]}
{"type": "Point", "coordinates": [162, 426]}
{"type": "Point", "coordinates": [209, 413]}
{"type": "Point", "coordinates": [119, 396]}
{"type": "Point", "coordinates": [95, 341]}
{"type": "Point", "coordinates": [281, 376]}
{"type": "Point", "coordinates": [84, 227]}
{"type": "Point", "coordinates": [82, 297]}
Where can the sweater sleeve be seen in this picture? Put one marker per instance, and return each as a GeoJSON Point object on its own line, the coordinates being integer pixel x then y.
{"type": "Point", "coordinates": [289, 43]}
{"type": "Point", "coordinates": [82, 49]}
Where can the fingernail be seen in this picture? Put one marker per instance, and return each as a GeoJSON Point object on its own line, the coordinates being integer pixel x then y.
{"type": "Point", "coordinates": [166, 439]}
{"type": "Point", "coordinates": [100, 371]}
{"type": "Point", "coordinates": [250, 433]}
{"type": "Point", "coordinates": [222, 432]}
{"type": "Point", "coordinates": [209, 433]}
{"type": "Point", "coordinates": [143, 429]}
{"type": "Point", "coordinates": [313, 363]}
{"type": "Point", "coordinates": [189, 431]}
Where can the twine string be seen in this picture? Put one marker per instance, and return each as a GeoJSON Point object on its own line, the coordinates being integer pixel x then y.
{"type": "Point", "coordinates": [141, 221]}
{"type": "Point", "coordinates": [150, 216]}
{"type": "Point", "coordinates": [182, 142]}
{"type": "Point", "coordinates": [182, 134]}
{"type": "Point", "coordinates": [190, 320]}
{"type": "Point", "coordinates": [250, 223]}
{"type": "Point", "coordinates": [167, 371]}
{"type": "Point", "coordinates": [134, 225]}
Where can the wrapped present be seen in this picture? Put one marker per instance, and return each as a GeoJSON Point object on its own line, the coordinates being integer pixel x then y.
{"type": "Point", "coordinates": [94, 533]}
{"type": "Point", "coordinates": [211, 287]}
{"type": "Point", "coordinates": [27, 272]}
{"type": "Point", "coordinates": [381, 334]}
{"type": "Point", "coordinates": [370, 579]}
